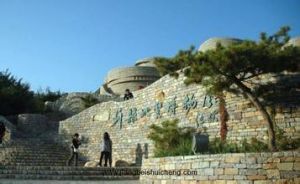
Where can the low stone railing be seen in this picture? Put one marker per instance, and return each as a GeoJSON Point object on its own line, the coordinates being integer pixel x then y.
{"type": "Point", "coordinates": [246, 168]}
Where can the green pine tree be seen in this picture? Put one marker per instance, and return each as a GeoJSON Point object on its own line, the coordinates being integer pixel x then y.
{"type": "Point", "coordinates": [227, 69]}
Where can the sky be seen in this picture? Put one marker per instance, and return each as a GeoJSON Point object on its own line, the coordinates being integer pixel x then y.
{"type": "Point", "coordinates": [70, 45]}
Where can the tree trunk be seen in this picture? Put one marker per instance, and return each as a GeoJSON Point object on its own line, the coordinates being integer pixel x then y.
{"type": "Point", "coordinates": [223, 118]}
{"type": "Point", "coordinates": [254, 100]}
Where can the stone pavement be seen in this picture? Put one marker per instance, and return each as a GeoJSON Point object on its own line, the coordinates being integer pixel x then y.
{"type": "Point", "coordinates": [67, 182]}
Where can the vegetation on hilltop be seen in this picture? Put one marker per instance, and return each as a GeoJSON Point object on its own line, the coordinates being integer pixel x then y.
{"type": "Point", "coordinates": [16, 96]}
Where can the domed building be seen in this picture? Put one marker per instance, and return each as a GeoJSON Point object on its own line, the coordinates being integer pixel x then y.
{"type": "Point", "coordinates": [133, 78]}
{"type": "Point", "coordinates": [294, 41]}
{"type": "Point", "coordinates": [211, 43]}
{"type": "Point", "coordinates": [146, 62]}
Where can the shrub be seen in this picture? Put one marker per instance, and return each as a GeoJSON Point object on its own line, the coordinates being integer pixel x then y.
{"type": "Point", "coordinates": [218, 146]}
{"type": "Point", "coordinates": [170, 140]}
{"type": "Point", "coordinates": [285, 143]}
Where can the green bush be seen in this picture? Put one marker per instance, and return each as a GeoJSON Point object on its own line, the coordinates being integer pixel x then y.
{"type": "Point", "coordinates": [218, 146]}
{"type": "Point", "coordinates": [285, 143]}
{"type": "Point", "coordinates": [170, 140]}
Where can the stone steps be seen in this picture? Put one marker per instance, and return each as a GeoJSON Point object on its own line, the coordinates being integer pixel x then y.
{"type": "Point", "coordinates": [34, 152]}
{"type": "Point", "coordinates": [68, 173]}
{"type": "Point", "coordinates": [33, 159]}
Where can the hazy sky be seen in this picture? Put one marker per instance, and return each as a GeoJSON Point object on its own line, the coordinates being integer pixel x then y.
{"type": "Point", "coordinates": [70, 45]}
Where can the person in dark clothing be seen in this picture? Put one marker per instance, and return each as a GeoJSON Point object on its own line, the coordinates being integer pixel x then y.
{"type": "Point", "coordinates": [106, 150]}
{"type": "Point", "coordinates": [2, 131]}
{"type": "Point", "coordinates": [128, 95]}
{"type": "Point", "coordinates": [75, 145]}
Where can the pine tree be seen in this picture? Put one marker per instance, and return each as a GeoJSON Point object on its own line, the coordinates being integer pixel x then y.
{"type": "Point", "coordinates": [229, 69]}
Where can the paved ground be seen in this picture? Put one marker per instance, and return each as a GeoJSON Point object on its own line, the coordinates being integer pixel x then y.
{"type": "Point", "coordinates": [65, 182]}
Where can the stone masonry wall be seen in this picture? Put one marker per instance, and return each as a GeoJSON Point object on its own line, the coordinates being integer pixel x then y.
{"type": "Point", "coordinates": [237, 168]}
{"type": "Point", "coordinates": [128, 122]}
{"type": "Point", "coordinates": [10, 129]}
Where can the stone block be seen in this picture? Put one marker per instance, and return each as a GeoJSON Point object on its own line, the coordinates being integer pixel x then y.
{"type": "Point", "coordinates": [262, 182]}
{"type": "Point", "coordinates": [273, 174]}
{"type": "Point", "coordinates": [254, 166]}
{"type": "Point", "coordinates": [203, 165]}
{"type": "Point", "coordinates": [185, 182]}
{"type": "Point", "coordinates": [240, 166]}
{"type": "Point", "coordinates": [193, 182]}
{"type": "Point", "coordinates": [204, 182]}
{"type": "Point", "coordinates": [219, 182]}
{"type": "Point", "coordinates": [257, 177]}
{"type": "Point", "coordinates": [214, 164]}
{"type": "Point", "coordinates": [232, 160]}
{"type": "Point", "coordinates": [273, 160]}
{"type": "Point", "coordinates": [285, 166]}
{"type": "Point", "coordinates": [201, 178]}
{"type": "Point", "coordinates": [269, 166]}
{"type": "Point", "coordinates": [231, 182]}
{"type": "Point", "coordinates": [103, 116]}
{"type": "Point", "coordinates": [297, 166]}
{"type": "Point", "coordinates": [219, 171]}
{"type": "Point", "coordinates": [231, 171]}
{"type": "Point", "coordinates": [240, 177]}
{"type": "Point", "coordinates": [249, 160]}
{"type": "Point", "coordinates": [212, 178]}
{"type": "Point", "coordinates": [284, 181]}
{"type": "Point", "coordinates": [226, 177]}
{"type": "Point", "coordinates": [244, 182]}
{"type": "Point", "coordinates": [248, 172]}
{"type": "Point", "coordinates": [209, 171]}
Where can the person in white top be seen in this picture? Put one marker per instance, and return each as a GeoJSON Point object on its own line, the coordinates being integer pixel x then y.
{"type": "Point", "coordinates": [106, 150]}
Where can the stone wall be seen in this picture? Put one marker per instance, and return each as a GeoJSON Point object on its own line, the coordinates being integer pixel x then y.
{"type": "Point", "coordinates": [33, 125]}
{"type": "Point", "coordinates": [10, 129]}
{"type": "Point", "coordinates": [128, 122]}
{"type": "Point", "coordinates": [243, 168]}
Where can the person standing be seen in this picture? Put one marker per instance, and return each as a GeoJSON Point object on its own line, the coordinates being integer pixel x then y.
{"type": "Point", "coordinates": [106, 150]}
{"type": "Point", "coordinates": [128, 95]}
{"type": "Point", "coordinates": [2, 131]}
{"type": "Point", "coordinates": [75, 145]}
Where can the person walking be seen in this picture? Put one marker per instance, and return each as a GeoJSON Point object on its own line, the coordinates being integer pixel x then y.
{"type": "Point", "coordinates": [106, 150]}
{"type": "Point", "coordinates": [74, 152]}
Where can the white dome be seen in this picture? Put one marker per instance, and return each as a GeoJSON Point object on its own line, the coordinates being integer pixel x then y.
{"type": "Point", "coordinates": [146, 62]}
{"type": "Point", "coordinates": [211, 43]}
{"type": "Point", "coordinates": [294, 41]}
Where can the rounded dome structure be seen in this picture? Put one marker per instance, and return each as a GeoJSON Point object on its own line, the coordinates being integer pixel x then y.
{"type": "Point", "coordinates": [132, 78]}
{"type": "Point", "coordinates": [146, 62]}
{"type": "Point", "coordinates": [294, 41]}
{"type": "Point", "coordinates": [211, 43]}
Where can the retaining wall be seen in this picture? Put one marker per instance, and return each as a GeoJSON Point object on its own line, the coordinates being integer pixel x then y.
{"type": "Point", "coordinates": [128, 122]}
{"type": "Point", "coordinates": [238, 168]}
